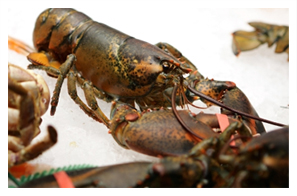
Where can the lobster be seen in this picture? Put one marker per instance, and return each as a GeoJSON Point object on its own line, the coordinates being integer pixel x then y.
{"type": "Point", "coordinates": [52, 54]}
{"type": "Point", "coordinates": [28, 100]}
{"type": "Point", "coordinates": [210, 163]}
{"type": "Point", "coordinates": [139, 71]}
{"type": "Point", "coordinates": [119, 66]}
{"type": "Point", "coordinates": [264, 33]}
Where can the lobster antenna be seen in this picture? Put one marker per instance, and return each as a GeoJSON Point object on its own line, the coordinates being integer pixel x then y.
{"type": "Point", "coordinates": [231, 109]}
{"type": "Point", "coordinates": [173, 96]}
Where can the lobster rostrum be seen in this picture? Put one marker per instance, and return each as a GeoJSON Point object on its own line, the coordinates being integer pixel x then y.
{"type": "Point", "coordinates": [264, 33]}
{"type": "Point", "coordinates": [28, 100]}
{"type": "Point", "coordinates": [210, 163]}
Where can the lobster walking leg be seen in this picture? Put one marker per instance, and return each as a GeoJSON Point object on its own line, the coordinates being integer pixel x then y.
{"type": "Point", "coordinates": [33, 150]}
{"type": "Point", "coordinates": [62, 73]}
{"type": "Point", "coordinates": [64, 70]}
{"type": "Point", "coordinates": [92, 102]}
{"type": "Point", "coordinates": [27, 122]}
{"type": "Point", "coordinates": [71, 84]}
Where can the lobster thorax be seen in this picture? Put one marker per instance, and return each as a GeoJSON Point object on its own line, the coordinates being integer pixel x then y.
{"type": "Point", "coordinates": [120, 65]}
{"type": "Point", "coordinates": [114, 62]}
{"type": "Point", "coordinates": [54, 27]}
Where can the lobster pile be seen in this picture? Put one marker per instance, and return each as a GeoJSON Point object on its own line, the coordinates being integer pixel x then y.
{"type": "Point", "coordinates": [197, 150]}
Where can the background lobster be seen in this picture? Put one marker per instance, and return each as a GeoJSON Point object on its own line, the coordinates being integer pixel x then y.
{"type": "Point", "coordinates": [78, 145]}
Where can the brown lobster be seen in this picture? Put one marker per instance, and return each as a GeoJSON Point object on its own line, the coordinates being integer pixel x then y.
{"type": "Point", "coordinates": [114, 66]}
{"type": "Point", "coordinates": [119, 66]}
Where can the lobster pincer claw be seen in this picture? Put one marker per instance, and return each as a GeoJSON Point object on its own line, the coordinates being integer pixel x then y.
{"type": "Point", "coordinates": [236, 99]}
{"type": "Point", "coordinates": [156, 132]}
{"type": "Point", "coordinates": [263, 33]}
{"type": "Point", "coordinates": [227, 94]}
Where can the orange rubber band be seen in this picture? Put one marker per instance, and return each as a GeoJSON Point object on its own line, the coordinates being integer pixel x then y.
{"type": "Point", "coordinates": [224, 123]}
{"type": "Point", "coordinates": [63, 180]}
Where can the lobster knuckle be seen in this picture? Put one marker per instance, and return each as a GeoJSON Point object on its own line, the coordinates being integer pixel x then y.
{"type": "Point", "coordinates": [131, 117]}
{"type": "Point", "coordinates": [213, 88]}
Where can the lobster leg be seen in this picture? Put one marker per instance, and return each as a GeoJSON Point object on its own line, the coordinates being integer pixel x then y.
{"type": "Point", "coordinates": [61, 73]}
{"type": "Point", "coordinates": [34, 150]}
{"type": "Point", "coordinates": [92, 103]}
{"type": "Point", "coordinates": [73, 94]}
{"type": "Point", "coordinates": [28, 121]}
{"type": "Point", "coordinates": [65, 71]}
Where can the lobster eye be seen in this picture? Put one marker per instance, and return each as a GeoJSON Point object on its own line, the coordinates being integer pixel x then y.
{"type": "Point", "coordinates": [166, 67]}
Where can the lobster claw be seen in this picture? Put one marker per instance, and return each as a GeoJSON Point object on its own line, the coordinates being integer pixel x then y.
{"type": "Point", "coordinates": [235, 102]}
{"type": "Point", "coordinates": [243, 41]}
{"type": "Point", "coordinates": [236, 99]}
{"type": "Point", "coordinates": [264, 33]}
{"type": "Point", "coordinates": [156, 132]}
{"type": "Point", "coordinates": [274, 32]}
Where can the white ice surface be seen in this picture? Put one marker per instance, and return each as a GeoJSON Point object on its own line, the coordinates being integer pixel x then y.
{"type": "Point", "coordinates": [202, 35]}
